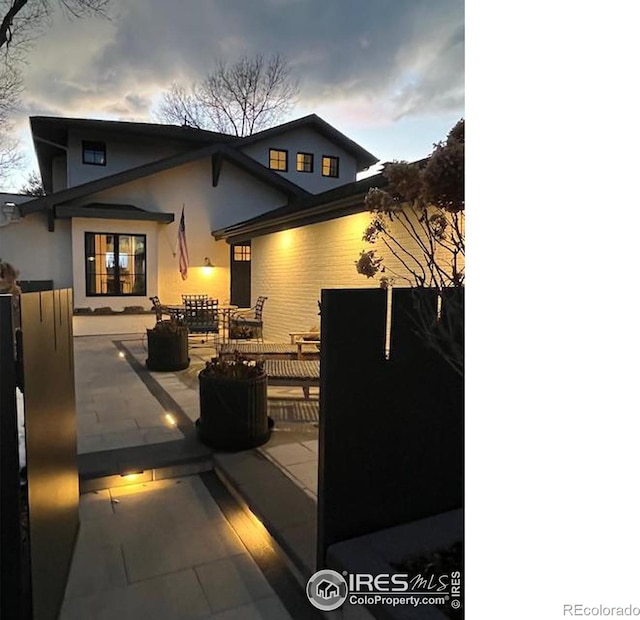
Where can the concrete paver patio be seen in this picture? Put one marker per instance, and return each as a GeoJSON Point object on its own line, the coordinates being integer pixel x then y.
{"type": "Point", "coordinates": [163, 548]}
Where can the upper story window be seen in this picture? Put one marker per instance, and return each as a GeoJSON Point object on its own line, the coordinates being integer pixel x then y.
{"type": "Point", "coordinates": [94, 153]}
{"type": "Point", "coordinates": [278, 159]}
{"type": "Point", "coordinates": [304, 162]}
{"type": "Point", "coordinates": [330, 165]}
{"type": "Point", "coordinates": [115, 264]}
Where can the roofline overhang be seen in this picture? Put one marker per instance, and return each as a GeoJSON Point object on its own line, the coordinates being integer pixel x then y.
{"type": "Point", "coordinates": [313, 215]}
{"type": "Point", "coordinates": [241, 160]}
{"type": "Point", "coordinates": [106, 213]}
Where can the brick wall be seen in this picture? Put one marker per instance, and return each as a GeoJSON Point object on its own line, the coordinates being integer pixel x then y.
{"type": "Point", "coordinates": [291, 268]}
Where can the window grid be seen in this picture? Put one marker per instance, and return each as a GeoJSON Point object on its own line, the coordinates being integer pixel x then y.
{"type": "Point", "coordinates": [115, 264]}
{"type": "Point", "coordinates": [304, 162]}
{"type": "Point", "coordinates": [330, 166]}
{"type": "Point", "coordinates": [278, 159]}
{"type": "Point", "coordinates": [242, 253]}
{"type": "Point", "coordinates": [94, 153]}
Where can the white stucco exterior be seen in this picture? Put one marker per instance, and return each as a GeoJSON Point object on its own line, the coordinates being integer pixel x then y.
{"type": "Point", "coordinates": [241, 192]}
{"type": "Point", "coordinates": [121, 154]}
{"type": "Point", "coordinates": [304, 140]}
{"type": "Point", "coordinates": [37, 253]}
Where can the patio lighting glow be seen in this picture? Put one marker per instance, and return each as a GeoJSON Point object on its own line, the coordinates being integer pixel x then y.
{"type": "Point", "coordinates": [207, 267]}
{"type": "Point", "coordinates": [172, 421]}
{"type": "Point", "coordinates": [121, 355]}
{"type": "Point", "coordinates": [132, 476]}
{"type": "Point", "coordinates": [286, 239]}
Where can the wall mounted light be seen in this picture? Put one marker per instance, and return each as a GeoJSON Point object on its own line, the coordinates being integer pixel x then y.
{"type": "Point", "coordinates": [207, 262]}
{"type": "Point", "coordinates": [8, 209]}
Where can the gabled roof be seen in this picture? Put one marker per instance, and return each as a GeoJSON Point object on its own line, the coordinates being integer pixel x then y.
{"type": "Point", "coordinates": [219, 151]}
{"type": "Point", "coordinates": [338, 202]}
{"type": "Point", "coordinates": [363, 158]}
{"type": "Point", "coordinates": [50, 136]}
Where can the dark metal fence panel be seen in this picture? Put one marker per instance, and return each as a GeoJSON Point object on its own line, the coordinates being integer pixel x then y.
{"type": "Point", "coordinates": [35, 286]}
{"type": "Point", "coordinates": [51, 444]}
{"type": "Point", "coordinates": [391, 431]}
{"type": "Point", "coordinates": [10, 546]}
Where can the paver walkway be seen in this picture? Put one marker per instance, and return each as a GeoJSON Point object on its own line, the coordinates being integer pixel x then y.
{"type": "Point", "coordinates": [164, 549]}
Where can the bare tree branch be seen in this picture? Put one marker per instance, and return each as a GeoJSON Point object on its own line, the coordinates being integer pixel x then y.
{"type": "Point", "coordinates": [23, 20]}
{"type": "Point", "coordinates": [10, 90]}
{"type": "Point", "coordinates": [239, 99]}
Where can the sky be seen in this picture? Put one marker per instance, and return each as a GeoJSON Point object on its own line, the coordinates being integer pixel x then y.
{"type": "Point", "coordinates": [390, 75]}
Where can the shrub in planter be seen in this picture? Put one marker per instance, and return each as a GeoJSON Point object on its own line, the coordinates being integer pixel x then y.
{"type": "Point", "coordinates": [240, 332]}
{"type": "Point", "coordinates": [233, 404]}
{"type": "Point", "coordinates": [168, 344]}
{"type": "Point", "coordinates": [103, 310]}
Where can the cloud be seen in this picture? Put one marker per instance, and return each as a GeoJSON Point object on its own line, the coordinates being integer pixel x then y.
{"type": "Point", "coordinates": [408, 53]}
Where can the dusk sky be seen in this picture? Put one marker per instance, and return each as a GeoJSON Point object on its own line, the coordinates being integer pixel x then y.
{"type": "Point", "coordinates": [390, 75]}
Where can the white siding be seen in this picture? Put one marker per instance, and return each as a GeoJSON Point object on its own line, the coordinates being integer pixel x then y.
{"type": "Point", "coordinates": [306, 141]}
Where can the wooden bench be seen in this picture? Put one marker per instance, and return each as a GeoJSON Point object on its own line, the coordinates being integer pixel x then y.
{"type": "Point", "coordinates": [303, 373]}
{"type": "Point", "coordinates": [278, 349]}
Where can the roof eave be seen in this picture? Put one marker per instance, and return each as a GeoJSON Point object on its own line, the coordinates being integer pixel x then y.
{"type": "Point", "coordinates": [313, 215]}
{"type": "Point", "coordinates": [67, 212]}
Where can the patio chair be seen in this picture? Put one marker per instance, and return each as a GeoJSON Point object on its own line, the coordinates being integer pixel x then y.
{"type": "Point", "coordinates": [252, 317]}
{"type": "Point", "coordinates": [201, 317]}
{"type": "Point", "coordinates": [186, 298]}
{"type": "Point", "coordinates": [159, 308]}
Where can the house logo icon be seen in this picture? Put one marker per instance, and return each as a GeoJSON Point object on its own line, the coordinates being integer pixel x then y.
{"type": "Point", "coordinates": [327, 590]}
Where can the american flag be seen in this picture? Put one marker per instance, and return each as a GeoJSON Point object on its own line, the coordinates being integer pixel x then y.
{"type": "Point", "coordinates": [184, 252]}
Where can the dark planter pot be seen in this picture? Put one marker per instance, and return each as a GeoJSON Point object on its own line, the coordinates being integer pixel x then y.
{"type": "Point", "coordinates": [233, 413]}
{"type": "Point", "coordinates": [168, 351]}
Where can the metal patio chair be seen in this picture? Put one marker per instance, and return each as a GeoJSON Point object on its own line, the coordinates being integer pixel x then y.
{"type": "Point", "coordinates": [252, 317]}
{"type": "Point", "coordinates": [201, 317]}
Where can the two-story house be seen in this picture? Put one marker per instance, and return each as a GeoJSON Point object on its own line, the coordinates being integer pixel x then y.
{"type": "Point", "coordinates": [108, 225]}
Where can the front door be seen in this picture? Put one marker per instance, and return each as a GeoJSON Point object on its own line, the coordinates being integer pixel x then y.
{"type": "Point", "coordinates": [241, 274]}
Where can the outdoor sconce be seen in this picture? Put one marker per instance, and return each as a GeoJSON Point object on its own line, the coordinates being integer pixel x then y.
{"type": "Point", "coordinates": [207, 263]}
{"type": "Point", "coordinates": [8, 210]}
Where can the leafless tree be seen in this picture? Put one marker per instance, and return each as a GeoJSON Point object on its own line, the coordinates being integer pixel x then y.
{"type": "Point", "coordinates": [10, 89]}
{"type": "Point", "coordinates": [22, 20]}
{"type": "Point", "coordinates": [33, 185]}
{"type": "Point", "coordinates": [242, 98]}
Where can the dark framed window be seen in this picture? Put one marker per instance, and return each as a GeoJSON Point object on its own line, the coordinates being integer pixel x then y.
{"type": "Point", "coordinates": [94, 153]}
{"type": "Point", "coordinates": [115, 264]}
{"type": "Point", "coordinates": [278, 159]}
{"type": "Point", "coordinates": [304, 162]}
{"type": "Point", "coordinates": [242, 253]}
{"type": "Point", "coordinates": [330, 166]}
